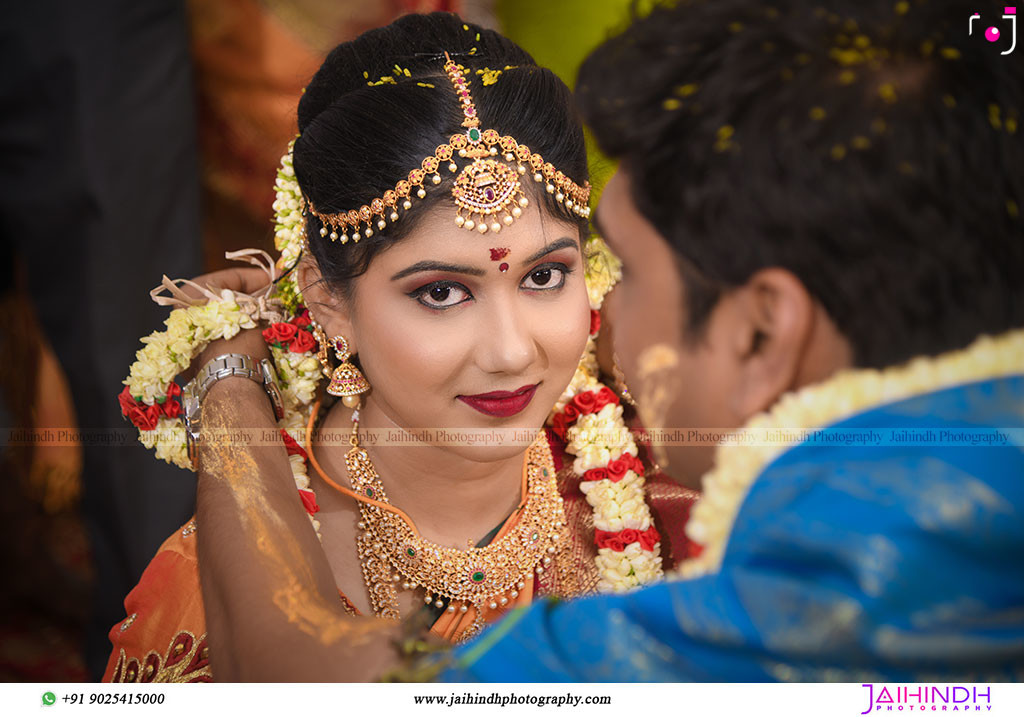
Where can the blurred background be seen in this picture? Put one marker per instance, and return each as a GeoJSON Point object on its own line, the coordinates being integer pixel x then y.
{"type": "Point", "coordinates": [139, 139]}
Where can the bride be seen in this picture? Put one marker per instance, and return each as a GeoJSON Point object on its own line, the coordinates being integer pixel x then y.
{"type": "Point", "coordinates": [432, 223]}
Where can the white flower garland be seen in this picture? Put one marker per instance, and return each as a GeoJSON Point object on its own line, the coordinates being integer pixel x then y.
{"type": "Point", "coordinates": [168, 353]}
{"type": "Point", "coordinates": [629, 548]}
{"type": "Point", "coordinates": [598, 441]}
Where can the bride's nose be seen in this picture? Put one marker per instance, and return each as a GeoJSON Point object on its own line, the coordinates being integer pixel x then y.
{"type": "Point", "coordinates": [506, 342]}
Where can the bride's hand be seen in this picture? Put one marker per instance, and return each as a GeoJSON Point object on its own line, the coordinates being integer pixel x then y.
{"type": "Point", "coordinates": [248, 280]}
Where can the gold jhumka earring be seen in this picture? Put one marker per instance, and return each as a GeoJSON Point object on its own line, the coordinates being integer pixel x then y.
{"type": "Point", "coordinates": [347, 381]}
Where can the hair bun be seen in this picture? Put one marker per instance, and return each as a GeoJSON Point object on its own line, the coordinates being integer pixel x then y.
{"type": "Point", "coordinates": [411, 48]}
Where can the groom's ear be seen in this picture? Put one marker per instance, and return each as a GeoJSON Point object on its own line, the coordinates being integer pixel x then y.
{"type": "Point", "coordinates": [774, 319]}
{"type": "Point", "coordinates": [324, 306]}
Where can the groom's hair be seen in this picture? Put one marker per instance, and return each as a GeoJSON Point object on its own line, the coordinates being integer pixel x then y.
{"type": "Point", "coordinates": [871, 147]}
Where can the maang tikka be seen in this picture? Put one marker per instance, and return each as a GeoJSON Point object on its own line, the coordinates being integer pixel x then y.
{"type": "Point", "coordinates": [487, 192]}
{"type": "Point", "coordinates": [347, 381]}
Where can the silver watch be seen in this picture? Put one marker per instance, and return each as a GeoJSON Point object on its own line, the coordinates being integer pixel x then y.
{"type": "Point", "coordinates": [216, 369]}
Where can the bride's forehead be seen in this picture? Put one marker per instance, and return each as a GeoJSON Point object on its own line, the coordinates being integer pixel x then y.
{"type": "Point", "coordinates": [436, 236]}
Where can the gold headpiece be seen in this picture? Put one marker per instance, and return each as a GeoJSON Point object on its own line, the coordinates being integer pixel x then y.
{"type": "Point", "coordinates": [487, 190]}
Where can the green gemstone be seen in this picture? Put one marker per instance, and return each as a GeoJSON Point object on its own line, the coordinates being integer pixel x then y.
{"type": "Point", "coordinates": [545, 471]}
{"type": "Point", "coordinates": [474, 134]}
{"type": "Point", "coordinates": [477, 577]}
{"type": "Point", "coordinates": [369, 492]}
{"type": "Point", "coordinates": [410, 552]}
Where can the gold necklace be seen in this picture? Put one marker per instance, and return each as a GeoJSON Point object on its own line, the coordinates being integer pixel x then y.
{"type": "Point", "coordinates": [393, 555]}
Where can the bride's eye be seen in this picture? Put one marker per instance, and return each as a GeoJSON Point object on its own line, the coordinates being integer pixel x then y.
{"type": "Point", "coordinates": [546, 277]}
{"type": "Point", "coordinates": [441, 295]}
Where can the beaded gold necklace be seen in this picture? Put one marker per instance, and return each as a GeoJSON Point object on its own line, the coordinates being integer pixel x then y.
{"type": "Point", "coordinates": [394, 555]}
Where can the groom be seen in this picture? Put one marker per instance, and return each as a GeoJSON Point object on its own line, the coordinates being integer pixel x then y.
{"type": "Point", "coordinates": [818, 213]}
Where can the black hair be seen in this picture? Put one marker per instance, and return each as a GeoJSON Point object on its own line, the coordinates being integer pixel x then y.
{"type": "Point", "coordinates": [381, 103]}
{"type": "Point", "coordinates": [870, 147]}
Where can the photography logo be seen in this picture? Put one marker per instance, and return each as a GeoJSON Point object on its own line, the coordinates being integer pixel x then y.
{"type": "Point", "coordinates": [994, 33]}
{"type": "Point", "coordinates": [927, 698]}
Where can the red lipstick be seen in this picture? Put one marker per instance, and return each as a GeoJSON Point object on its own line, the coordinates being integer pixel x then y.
{"type": "Point", "coordinates": [501, 404]}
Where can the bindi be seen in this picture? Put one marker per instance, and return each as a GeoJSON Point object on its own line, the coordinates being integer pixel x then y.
{"type": "Point", "coordinates": [499, 253]}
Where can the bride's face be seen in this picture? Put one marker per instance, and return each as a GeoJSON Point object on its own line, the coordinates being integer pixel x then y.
{"type": "Point", "coordinates": [467, 332]}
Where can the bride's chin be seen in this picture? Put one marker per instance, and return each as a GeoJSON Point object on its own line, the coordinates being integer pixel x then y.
{"type": "Point", "coordinates": [487, 452]}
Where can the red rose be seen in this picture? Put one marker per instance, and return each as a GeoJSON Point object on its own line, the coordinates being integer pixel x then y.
{"type": "Point", "coordinates": [571, 413]}
{"type": "Point", "coordinates": [302, 342]}
{"type": "Point", "coordinates": [171, 407]}
{"type": "Point", "coordinates": [279, 333]}
{"type": "Point", "coordinates": [126, 401]}
{"type": "Point", "coordinates": [302, 319]}
{"type": "Point", "coordinates": [630, 536]}
{"type": "Point", "coordinates": [293, 448]}
{"type": "Point", "coordinates": [596, 474]}
{"type": "Point", "coordinates": [585, 401]}
{"type": "Point", "coordinates": [605, 396]}
{"type": "Point", "coordinates": [617, 469]}
{"type": "Point", "coordinates": [649, 538]}
{"type": "Point", "coordinates": [309, 501]}
{"type": "Point", "coordinates": [144, 418]}
{"type": "Point", "coordinates": [635, 464]}
{"type": "Point", "coordinates": [559, 425]}
{"type": "Point", "coordinates": [608, 539]}
{"type": "Point", "coordinates": [595, 322]}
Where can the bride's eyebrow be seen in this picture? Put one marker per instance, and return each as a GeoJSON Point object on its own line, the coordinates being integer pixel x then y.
{"type": "Point", "coordinates": [557, 244]}
{"type": "Point", "coordinates": [428, 265]}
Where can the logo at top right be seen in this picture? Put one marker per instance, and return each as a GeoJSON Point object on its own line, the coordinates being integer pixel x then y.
{"type": "Point", "coordinates": [993, 33]}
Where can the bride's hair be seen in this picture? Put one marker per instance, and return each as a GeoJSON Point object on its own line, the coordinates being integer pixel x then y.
{"type": "Point", "coordinates": [382, 102]}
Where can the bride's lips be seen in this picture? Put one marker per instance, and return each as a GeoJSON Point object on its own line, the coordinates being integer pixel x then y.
{"type": "Point", "coordinates": [501, 403]}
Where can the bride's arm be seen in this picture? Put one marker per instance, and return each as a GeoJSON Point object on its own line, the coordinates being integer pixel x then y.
{"type": "Point", "coordinates": [272, 608]}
